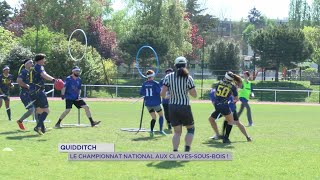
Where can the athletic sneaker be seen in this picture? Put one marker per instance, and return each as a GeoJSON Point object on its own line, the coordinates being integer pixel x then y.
{"type": "Point", "coordinates": [163, 133]}
{"type": "Point", "coordinates": [38, 130]}
{"type": "Point", "coordinates": [95, 123]}
{"type": "Point", "coordinates": [169, 126]}
{"type": "Point", "coordinates": [249, 139]}
{"type": "Point", "coordinates": [151, 133]}
{"type": "Point", "coordinates": [226, 140]}
{"type": "Point", "coordinates": [216, 137]}
{"type": "Point", "coordinates": [57, 126]}
{"type": "Point", "coordinates": [21, 126]}
{"type": "Point", "coordinates": [251, 124]}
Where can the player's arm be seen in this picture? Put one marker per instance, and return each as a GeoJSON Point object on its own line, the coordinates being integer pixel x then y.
{"type": "Point", "coordinates": [235, 94]}
{"type": "Point", "coordinates": [46, 76]}
{"type": "Point", "coordinates": [163, 91]}
{"type": "Point", "coordinates": [21, 83]}
{"type": "Point", "coordinates": [193, 92]}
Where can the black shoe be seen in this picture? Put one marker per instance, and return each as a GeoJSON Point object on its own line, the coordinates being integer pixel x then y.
{"type": "Point", "coordinates": [226, 140]}
{"type": "Point", "coordinates": [38, 130]}
{"type": "Point", "coordinates": [169, 126]}
{"type": "Point", "coordinates": [94, 123]}
{"type": "Point", "coordinates": [57, 126]}
{"type": "Point", "coordinates": [43, 129]}
{"type": "Point", "coordinates": [249, 139]}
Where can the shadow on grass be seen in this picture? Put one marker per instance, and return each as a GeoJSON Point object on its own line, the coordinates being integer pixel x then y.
{"type": "Point", "coordinates": [22, 137]}
{"type": "Point", "coordinates": [146, 138]}
{"type": "Point", "coordinates": [167, 164]}
{"type": "Point", "coordinates": [13, 132]}
{"type": "Point", "coordinates": [219, 144]}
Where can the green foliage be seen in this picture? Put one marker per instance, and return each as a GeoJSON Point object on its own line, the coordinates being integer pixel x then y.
{"type": "Point", "coordinates": [7, 41]}
{"type": "Point", "coordinates": [312, 34]}
{"type": "Point", "coordinates": [280, 45]}
{"type": "Point", "coordinates": [299, 14]}
{"type": "Point", "coordinates": [62, 15]}
{"type": "Point", "coordinates": [15, 58]}
{"type": "Point", "coordinates": [5, 12]}
{"type": "Point", "coordinates": [224, 56]}
{"type": "Point", "coordinates": [45, 41]}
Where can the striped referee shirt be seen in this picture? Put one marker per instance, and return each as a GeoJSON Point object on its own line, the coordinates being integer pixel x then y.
{"type": "Point", "coordinates": [178, 87]}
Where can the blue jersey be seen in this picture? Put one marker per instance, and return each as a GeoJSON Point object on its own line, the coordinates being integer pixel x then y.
{"type": "Point", "coordinates": [73, 87]}
{"type": "Point", "coordinates": [164, 101]}
{"type": "Point", "coordinates": [151, 92]}
{"type": "Point", "coordinates": [231, 103]}
{"type": "Point", "coordinates": [5, 83]}
{"type": "Point", "coordinates": [36, 80]}
{"type": "Point", "coordinates": [224, 90]}
{"type": "Point", "coordinates": [25, 77]}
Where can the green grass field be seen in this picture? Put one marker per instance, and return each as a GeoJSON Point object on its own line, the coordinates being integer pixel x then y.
{"type": "Point", "coordinates": [286, 145]}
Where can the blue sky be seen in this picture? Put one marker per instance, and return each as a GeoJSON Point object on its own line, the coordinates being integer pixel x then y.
{"type": "Point", "coordinates": [230, 9]}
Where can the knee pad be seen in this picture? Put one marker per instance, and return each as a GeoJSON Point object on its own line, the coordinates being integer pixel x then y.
{"type": "Point", "coordinates": [190, 130]}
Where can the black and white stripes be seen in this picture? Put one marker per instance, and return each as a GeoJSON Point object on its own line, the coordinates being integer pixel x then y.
{"type": "Point", "coordinates": [178, 87]}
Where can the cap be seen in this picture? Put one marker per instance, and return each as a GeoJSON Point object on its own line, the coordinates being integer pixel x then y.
{"type": "Point", "coordinates": [180, 60]}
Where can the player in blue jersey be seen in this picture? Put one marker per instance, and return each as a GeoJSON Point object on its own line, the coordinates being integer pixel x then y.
{"type": "Point", "coordinates": [165, 101]}
{"type": "Point", "coordinates": [71, 93]}
{"type": "Point", "coordinates": [223, 90]}
{"type": "Point", "coordinates": [23, 81]}
{"type": "Point", "coordinates": [37, 94]}
{"type": "Point", "coordinates": [5, 86]}
{"type": "Point", "coordinates": [214, 116]}
{"type": "Point", "coordinates": [151, 91]}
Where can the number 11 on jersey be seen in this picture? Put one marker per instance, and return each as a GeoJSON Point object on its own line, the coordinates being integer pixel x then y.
{"type": "Point", "coordinates": [148, 91]}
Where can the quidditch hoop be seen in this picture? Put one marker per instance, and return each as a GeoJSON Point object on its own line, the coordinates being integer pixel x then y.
{"type": "Point", "coordinates": [69, 48]}
{"type": "Point", "coordinates": [137, 60]}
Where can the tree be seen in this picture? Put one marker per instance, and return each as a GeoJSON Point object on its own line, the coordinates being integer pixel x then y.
{"type": "Point", "coordinates": [299, 14]}
{"type": "Point", "coordinates": [280, 46]}
{"type": "Point", "coordinates": [101, 38]}
{"type": "Point", "coordinates": [255, 17]}
{"type": "Point", "coordinates": [15, 58]}
{"type": "Point", "coordinates": [7, 41]}
{"type": "Point", "coordinates": [315, 15]}
{"type": "Point", "coordinates": [60, 16]}
{"type": "Point", "coordinates": [313, 36]}
{"type": "Point", "coordinates": [162, 25]}
{"type": "Point", "coordinates": [224, 56]}
{"type": "Point", "coordinates": [5, 12]}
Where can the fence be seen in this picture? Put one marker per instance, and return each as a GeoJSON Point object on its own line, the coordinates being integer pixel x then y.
{"type": "Point", "coordinates": [122, 91]}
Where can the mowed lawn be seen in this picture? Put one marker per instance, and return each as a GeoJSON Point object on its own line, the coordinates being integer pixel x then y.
{"type": "Point", "coordinates": [286, 145]}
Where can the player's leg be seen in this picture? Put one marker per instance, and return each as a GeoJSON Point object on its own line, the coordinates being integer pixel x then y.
{"type": "Point", "coordinates": [214, 126]}
{"type": "Point", "coordinates": [82, 104]}
{"type": "Point", "coordinates": [229, 119]}
{"type": "Point", "coordinates": [247, 106]}
{"type": "Point", "coordinates": [7, 104]}
{"type": "Point", "coordinates": [25, 98]}
{"type": "Point", "coordinates": [166, 114]}
{"type": "Point", "coordinates": [160, 113]}
{"type": "Point", "coordinates": [186, 115]}
{"type": "Point", "coordinates": [69, 104]}
{"type": "Point", "coordinates": [1, 101]}
{"type": "Point", "coordinates": [153, 120]}
{"type": "Point", "coordinates": [177, 131]}
{"type": "Point", "coordinates": [241, 107]}
{"type": "Point", "coordinates": [43, 110]}
{"type": "Point", "coordinates": [241, 126]}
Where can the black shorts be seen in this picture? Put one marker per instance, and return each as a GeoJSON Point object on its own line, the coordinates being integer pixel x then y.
{"type": "Point", "coordinates": [217, 115]}
{"type": "Point", "coordinates": [40, 98]}
{"type": "Point", "coordinates": [26, 99]}
{"type": "Point", "coordinates": [222, 108]}
{"type": "Point", "coordinates": [77, 103]}
{"type": "Point", "coordinates": [180, 115]}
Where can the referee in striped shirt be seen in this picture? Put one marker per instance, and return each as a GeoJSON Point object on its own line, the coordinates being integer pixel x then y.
{"type": "Point", "coordinates": [179, 83]}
